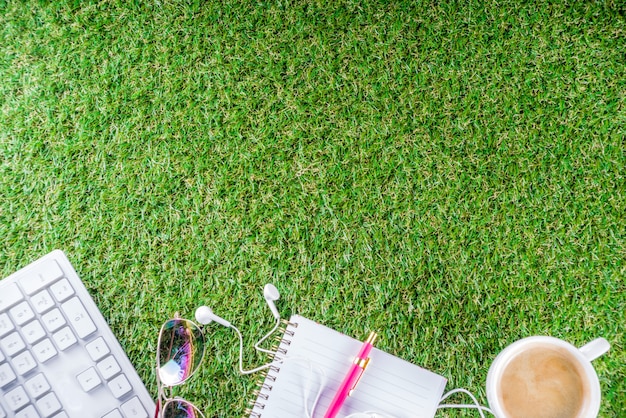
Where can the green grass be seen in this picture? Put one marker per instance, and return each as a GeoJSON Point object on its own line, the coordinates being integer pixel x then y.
{"type": "Point", "coordinates": [449, 174]}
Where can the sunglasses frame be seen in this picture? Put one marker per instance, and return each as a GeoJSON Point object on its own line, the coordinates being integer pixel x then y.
{"type": "Point", "coordinates": [163, 400]}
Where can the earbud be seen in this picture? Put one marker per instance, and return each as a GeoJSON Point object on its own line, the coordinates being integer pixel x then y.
{"type": "Point", "coordinates": [271, 294]}
{"type": "Point", "coordinates": [205, 315]}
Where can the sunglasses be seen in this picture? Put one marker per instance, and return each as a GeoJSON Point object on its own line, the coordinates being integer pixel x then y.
{"type": "Point", "coordinates": [180, 350]}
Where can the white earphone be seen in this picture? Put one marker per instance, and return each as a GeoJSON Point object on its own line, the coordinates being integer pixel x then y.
{"type": "Point", "coordinates": [271, 295]}
{"type": "Point", "coordinates": [204, 315]}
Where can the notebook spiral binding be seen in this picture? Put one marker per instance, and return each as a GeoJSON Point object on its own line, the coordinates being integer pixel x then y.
{"type": "Point", "coordinates": [264, 383]}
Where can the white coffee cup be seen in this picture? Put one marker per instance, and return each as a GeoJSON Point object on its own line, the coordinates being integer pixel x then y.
{"type": "Point", "coordinates": [548, 374]}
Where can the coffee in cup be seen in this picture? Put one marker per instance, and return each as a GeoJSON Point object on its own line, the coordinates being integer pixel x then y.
{"type": "Point", "coordinates": [545, 377]}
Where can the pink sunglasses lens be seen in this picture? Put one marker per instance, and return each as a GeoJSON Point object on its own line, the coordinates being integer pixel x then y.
{"type": "Point", "coordinates": [180, 409]}
{"type": "Point", "coordinates": [181, 347]}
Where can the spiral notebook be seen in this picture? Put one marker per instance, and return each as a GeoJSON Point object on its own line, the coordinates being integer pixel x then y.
{"type": "Point", "coordinates": [311, 356]}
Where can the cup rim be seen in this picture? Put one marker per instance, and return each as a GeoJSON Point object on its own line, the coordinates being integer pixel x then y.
{"type": "Point", "coordinates": [501, 360]}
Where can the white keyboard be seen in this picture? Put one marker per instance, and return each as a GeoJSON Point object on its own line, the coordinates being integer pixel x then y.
{"type": "Point", "coordinates": [58, 356]}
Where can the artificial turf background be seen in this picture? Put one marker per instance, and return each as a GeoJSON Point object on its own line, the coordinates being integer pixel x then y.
{"type": "Point", "coordinates": [450, 174]}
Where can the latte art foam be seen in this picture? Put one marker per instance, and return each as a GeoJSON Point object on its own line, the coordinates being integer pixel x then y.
{"type": "Point", "coordinates": [543, 382]}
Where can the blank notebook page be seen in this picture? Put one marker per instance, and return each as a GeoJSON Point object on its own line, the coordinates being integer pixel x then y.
{"type": "Point", "coordinates": [312, 353]}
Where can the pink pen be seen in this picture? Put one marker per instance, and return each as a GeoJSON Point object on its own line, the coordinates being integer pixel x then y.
{"type": "Point", "coordinates": [352, 378]}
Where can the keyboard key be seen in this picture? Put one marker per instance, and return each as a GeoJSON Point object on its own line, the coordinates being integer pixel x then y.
{"type": "Point", "coordinates": [6, 325]}
{"type": "Point", "coordinates": [114, 414]}
{"type": "Point", "coordinates": [12, 344]}
{"type": "Point", "coordinates": [3, 413]}
{"type": "Point", "coordinates": [33, 332]}
{"type": "Point", "coordinates": [97, 349]}
{"type": "Point", "coordinates": [42, 301]}
{"type": "Point", "coordinates": [9, 295]}
{"type": "Point", "coordinates": [22, 313]}
{"type": "Point", "coordinates": [64, 338]}
{"type": "Point", "coordinates": [23, 363]}
{"type": "Point", "coordinates": [89, 379]}
{"type": "Point", "coordinates": [78, 317]}
{"type": "Point", "coordinates": [108, 367]}
{"type": "Point", "coordinates": [16, 398]}
{"type": "Point", "coordinates": [44, 350]}
{"type": "Point", "coordinates": [6, 375]}
{"type": "Point", "coordinates": [61, 415]}
{"type": "Point", "coordinates": [44, 274]}
{"type": "Point", "coordinates": [62, 290]}
{"type": "Point", "coordinates": [53, 320]}
{"type": "Point", "coordinates": [28, 412]}
{"type": "Point", "coordinates": [134, 409]}
{"type": "Point", "coordinates": [48, 405]}
{"type": "Point", "coordinates": [120, 386]}
{"type": "Point", "coordinates": [36, 386]}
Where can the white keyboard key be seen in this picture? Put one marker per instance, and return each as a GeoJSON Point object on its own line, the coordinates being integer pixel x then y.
{"type": "Point", "coordinates": [78, 317]}
{"type": "Point", "coordinates": [22, 313]}
{"type": "Point", "coordinates": [6, 325]}
{"type": "Point", "coordinates": [44, 274]}
{"type": "Point", "coordinates": [64, 338]}
{"type": "Point", "coordinates": [28, 412]}
{"type": "Point", "coordinates": [9, 295]}
{"type": "Point", "coordinates": [53, 320]}
{"type": "Point", "coordinates": [23, 363]}
{"type": "Point", "coordinates": [97, 349]}
{"type": "Point", "coordinates": [3, 413]}
{"type": "Point", "coordinates": [33, 332]}
{"type": "Point", "coordinates": [16, 398]}
{"type": "Point", "coordinates": [108, 367]}
{"type": "Point", "coordinates": [44, 350]}
{"type": "Point", "coordinates": [12, 344]}
{"type": "Point", "coordinates": [42, 301]}
{"type": "Point", "coordinates": [61, 415]}
{"type": "Point", "coordinates": [62, 290]}
{"type": "Point", "coordinates": [89, 379]}
{"type": "Point", "coordinates": [48, 405]}
{"type": "Point", "coordinates": [134, 409]}
{"type": "Point", "coordinates": [6, 375]}
{"type": "Point", "coordinates": [114, 414]}
{"type": "Point", "coordinates": [120, 386]}
{"type": "Point", "coordinates": [37, 386]}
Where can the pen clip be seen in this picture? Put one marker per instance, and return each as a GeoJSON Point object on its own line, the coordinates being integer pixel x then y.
{"type": "Point", "coordinates": [362, 363]}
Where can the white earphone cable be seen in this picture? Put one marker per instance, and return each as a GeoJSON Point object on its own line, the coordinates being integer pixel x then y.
{"type": "Point", "coordinates": [306, 388]}
{"type": "Point", "coordinates": [265, 337]}
{"type": "Point", "coordinates": [475, 405]}
{"type": "Point", "coordinates": [367, 414]}
{"type": "Point", "coordinates": [241, 370]}
{"type": "Point", "coordinates": [311, 366]}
